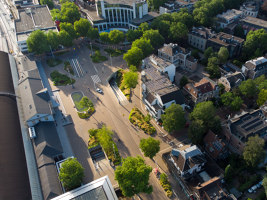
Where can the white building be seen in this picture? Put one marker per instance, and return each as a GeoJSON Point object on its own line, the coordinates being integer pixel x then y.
{"type": "Point", "coordinates": [100, 189]}
{"type": "Point", "coordinates": [120, 14]}
{"type": "Point", "coordinates": [250, 9]}
{"type": "Point", "coordinates": [228, 17]}
{"type": "Point", "coordinates": [255, 68]}
{"type": "Point", "coordinates": [30, 19]}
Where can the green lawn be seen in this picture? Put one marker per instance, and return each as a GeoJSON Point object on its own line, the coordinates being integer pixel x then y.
{"type": "Point", "coordinates": [97, 57]}
{"type": "Point", "coordinates": [52, 62]}
{"type": "Point", "coordinates": [114, 52]}
{"type": "Point", "coordinates": [77, 97]}
{"type": "Point", "coordinates": [61, 79]}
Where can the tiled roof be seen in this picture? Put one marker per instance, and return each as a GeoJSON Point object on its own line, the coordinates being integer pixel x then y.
{"type": "Point", "coordinates": [214, 145]}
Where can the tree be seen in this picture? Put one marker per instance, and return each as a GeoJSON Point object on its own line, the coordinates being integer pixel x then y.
{"type": "Point", "coordinates": [248, 88]}
{"type": "Point", "coordinates": [82, 27]}
{"type": "Point", "coordinates": [53, 39]}
{"type": "Point", "coordinates": [104, 37]}
{"type": "Point", "coordinates": [150, 147]}
{"type": "Point", "coordinates": [204, 111]}
{"type": "Point", "coordinates": [143, 27]}
{"type": "Point", "coordinates": [68, 27]}
{"type": "Point", "coordinates": [104, 136]}
{"type": "Point", "coordinates": [208, 52]}
{"type": "Point", "coordinates": [196, 132]}
{"type": "Point", "coordinates": [155, 38]}
{"type": "Point", "coordinates": [144, 45]}
{"type": "Point", "coordinates": [133, 68]}
{"type": "Point", "coordinates": [132, 35]}
{"type": "Point", "coordinates": [71, 174]}
{"type": "Point", "coordinates": [183, 81]}
{"type": "Point", "coordinates": [239, 31]}
{"type": "Point", "coordinates": [70, 12]}
{"type": "Point", "coordinates": [255, 40]}
{"type": "Point", "coordinates": [37, 42]}
{"type": "Point", "coordinates": [213, 68]}
{"type": "Point", "coordinates": [116, 36]}
{"type": "Point", "coordinates": [86, 102]}
{"type": "Point", "coordinates": [133, 56]}
{"type": "Point", "coordinates": [228, 173]}
{"type": "Point", "coordinates": [184, 17]}
{"type": "Point", "coordinates": [155, 4]}
{"type": "Point", "coordinates": [262, 97]}
{"type": "Point", "coordinates": [49, 3]}
{"type": "Point", "coordinates": [133, 176]}
{"type": "Point", "coordinates": [232, 101]}
{"type": "Point", "coordinates": [130, 79]}
{"type": "Point", "coordinates": [173, 119]}
{"type": "Point", "coordinates": [236, 103]}
{"type": "Point", "coordinates": [178, 31]}
{"type": "Point", "coordinates": [223, 55]}
{"type": "Point", "coordinates": [264, 182]}
{"type": "Point", "coordinates": [254, 151]}
{"type": "Point", "coordinates": [163, 26]}
{"type": "Point", "coordinates": [65, 39]}
{"type": "Point", "coordinates": [93, 33]}
{"type": "Point", "coordinates": [56, 14]}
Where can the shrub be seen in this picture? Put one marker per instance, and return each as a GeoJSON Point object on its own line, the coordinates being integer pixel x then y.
{"type": "Point", "coordinates": [169, 193]}
{"type": "Point", "coordinates": [61, 79]}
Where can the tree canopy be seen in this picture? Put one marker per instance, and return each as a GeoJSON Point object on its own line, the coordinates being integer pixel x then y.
{"type": "Point", "coordinates": [69, 13]}
{"type": "Point", "coordinates": [150, 147]}
{"type": "Point", "coordinates": [133, 35]}
{"type": "Point", "coordinates": [232, 101]}
{"type": "Point", "coordinates": [82, 27]}
{"type": "Point", "coordinates": [104, 37]}
{"type": "Point", "coordinates": [144, 45]}
{"type": "Point", "coordinates": [133, 56]}
{"type": "Point", "coordinates": [155, 38]}
{"type": "Point", "coordinates": [49, 3]}
{"type": "Point", "coordinates": [178, 31]}
{"type": "Point", "coordinates": [130, 79]}
{"type": "Point", "coordinates": [208, 52]}
{"type": "Point", "coordinates": [155, 4]}
{"type": "Point", "coordinates": [71, 174]}
{"type": "Point", "coordinates": [223, 55]}
{"type": "Point", "coordinates": [196, 132]}
{"type": "Point", "coordinates": [37, 42]}
{"type": "Point", "coordinates": [53, 39]}
{"type": "Point", "coordinates": [93, 33]}
{"type": "Point", "coordinates": [254, 151]}
{"type": "Point", "coordinates": [69, 28]}
{"type": "Point", "coordinates": [65, 38]}
{"type": "Point", "coordinates": [248, 88]}
{"type": "Point", "coordinates": [173, 119]}
{"type": "Point", "coordinates": [262, 97]}
{"type": "Point", "coordinates": [116, 36]}
{"type": "Point", "coordinates": [212, 68]}
{"type": "Point", "coordinates": [133, 176]}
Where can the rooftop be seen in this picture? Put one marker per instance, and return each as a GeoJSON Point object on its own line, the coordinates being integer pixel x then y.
{"type": "Point", "coordinates": [145, 18]}
{"type": "Point", "coordinates": [100, 189]}
{"type": "Point", "coordinates": [32, 18]}
{"type": "Point", "coordinates": [157, 62]}
{"type": "Point", "coordinates": [248, 124]}
{"type": "Point", "coordinates": [255, 21]}
{"type": "Point", "coordinates": [123, 2]}
{"type": "Point", "coordinates": [201, 32]}
{"type": "Point", "coordinates": [230, 14]}
{"type": "Point", "coordinates": [14, 182]}
{"type": "Point", "coordinates": [252, 64]}
{"type": "Point", "coordinates": [173, 49]}
{"type": "Point", "coordinates": [226, 39]}
{"type": "Point", "coordinates": [234, 78]}
{"type": "Point", "coordinates": [250, 5]}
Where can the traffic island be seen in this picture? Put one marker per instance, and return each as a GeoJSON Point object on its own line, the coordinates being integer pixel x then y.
{"type": "Point", "coordinates": [84, 106]}
{"type": "Point", "coordinates": [143, 122]}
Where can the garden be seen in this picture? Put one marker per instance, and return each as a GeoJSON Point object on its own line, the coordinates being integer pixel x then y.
{"type": "Point", "coordinates": [164, 182]}
{"type": "Point", "coordinates": [83, 105]}
{"type": "Point", "coordinates": [114, 52]}
{"type": "Point", "coordinates": [120, 83]}
{"type": "Point", "coordinates": [68, 68]}
{"type": "Point", "coordinates": [61, 79]}
{"type": "Point", "coordinates": [52, 62]}
{"type": "Point", "coordinates": [143, 122]}
{"type": "Point", "coordinates": [103, 137]}
{"type": "Point", "coordinates": [98, 57]}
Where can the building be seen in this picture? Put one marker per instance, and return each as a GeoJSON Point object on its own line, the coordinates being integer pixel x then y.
{"type": "Point", "coordinates": [214, 145]}
{"type": "Point", "coordinates": [232, 43]}
{"type": "Point", "coordinates": [253, 23]}
{"type": "Point", "coordinates": [119, 14]}
{"type": "Point", "coordinates": [199, 36]}
{"type": "Point", "coordinates": [203, 90]}
{"type": "Point", "coordinates": [250, 8]}
{"type": "Point", "coordinates": [48, 151]}
{"type": "Point", "coordinates": [158, 92]}
{"type": "Point", "coordinates": [228, 17]}
{"type": "Point", "coordinates": [189, 4]}
{"type": "Point", "coordinates": [22, 3]}
{"type": "Point", "coordinates": [100, 189]}
{"type": "Point", "coordinates": [161, 65]}
{"type": "Point", "coordinates": [188, 160]}
{"type": "Point", "coordinates": [231, 80]}
{"type": "Point", "coordinates": [179, 56]}
{"type": "Point", "coordinates": [14, 182]}
{"type": "Point", "coordinates": [243, 126]}
{"type": "Point", "coordinates": [31, 19]}
{"type": "Point", "coordinates": [255, 68]}
{"type": "Point", "coordinates": [174, 6]}
{"type": "Point", "coordinates": [37, 105]}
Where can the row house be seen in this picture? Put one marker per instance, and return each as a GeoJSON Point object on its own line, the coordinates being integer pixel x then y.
{"type": "Point", "coordinates": [228, 17]}
{"type": "Point", "coordinates": [255, 68]}
{"type": "Point", "coordinates": [231, 80]}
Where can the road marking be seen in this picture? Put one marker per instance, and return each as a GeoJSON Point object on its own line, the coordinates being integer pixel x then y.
{"type": "Point", "coordinates": [96, 79]}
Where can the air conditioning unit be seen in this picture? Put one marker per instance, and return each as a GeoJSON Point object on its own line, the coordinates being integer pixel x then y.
{"type": "Point", "coordinates": [32, 132]}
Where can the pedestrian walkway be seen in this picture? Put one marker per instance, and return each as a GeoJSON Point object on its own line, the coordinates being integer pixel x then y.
{"type": "Point", "coordinates": [118, 93]}
{"type": "Point", "coordinates": [96, 79]}
{"type": "Point", "coordinates": [78, 70]}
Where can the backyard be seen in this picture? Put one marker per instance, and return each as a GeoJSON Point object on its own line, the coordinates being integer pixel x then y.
{"type": "Point", "coordinates": [61, 79]}
{"type": "Point", "coordinates": [143, 122]}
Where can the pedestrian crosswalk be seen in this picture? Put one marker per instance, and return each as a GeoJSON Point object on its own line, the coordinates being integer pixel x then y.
{"type": "Point", "coordinates": [96, 79]}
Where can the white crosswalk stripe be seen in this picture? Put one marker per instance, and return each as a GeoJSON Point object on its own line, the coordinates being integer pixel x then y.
{"type": "Point", "coordinates": [96, 79]}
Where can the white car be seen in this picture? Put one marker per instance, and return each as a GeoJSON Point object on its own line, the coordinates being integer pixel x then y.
{"type": "Point", "coordinates": [99, 91]}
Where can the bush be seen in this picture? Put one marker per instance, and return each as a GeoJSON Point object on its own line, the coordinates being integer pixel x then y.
{"type": "Point", "coordinates": [86, 114]}
{"type": "Point", "coordinates": [169, 193]}
{"type": "Point", "coordinates": [97, 57]}
{"type": "Point", "coordinates": [61, 79]}
{"type": "Point", "coordinates": [137, 118]}
{"type": "Point", "coordinates": [166, 184]}
{"type": "Point", "coordinates": [52, 62]}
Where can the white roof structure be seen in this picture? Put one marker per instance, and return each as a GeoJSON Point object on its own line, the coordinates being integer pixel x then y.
{"type": "Point", "coordinates": [100, 189]}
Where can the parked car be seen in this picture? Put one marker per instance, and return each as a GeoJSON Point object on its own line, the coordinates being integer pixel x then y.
{"type": "Point", "coordinates": [99, 91]}
{"type": "Point", "coordinates": [259, 184]}
{"type": "Point", "coordinates": [250, 190]}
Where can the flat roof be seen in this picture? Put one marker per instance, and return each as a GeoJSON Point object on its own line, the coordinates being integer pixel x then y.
{"type": "Point", "coordinates": [145, 18]}
{"type": "Point", "coordinates": [230, 14]}
{"type": "Point", "coordinates": [14, 182]}
{"type": "Point", "coordinates": [255, 21]}
{"type": "Point", "coordinates": [34, 17]}
{"type": "Point", "coordinates": [124, 2]}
